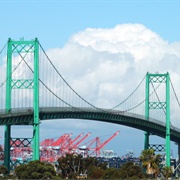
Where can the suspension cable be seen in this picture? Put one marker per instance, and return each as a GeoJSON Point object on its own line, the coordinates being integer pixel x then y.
{"type": "Point", "coordinates": [142, 101]}
{"type": "Point", "coordinates": [175, 93]}
{"type": "Point", "coordinates": [157, 96]}
{"type": "Point", "coordinates": [135, 106]}
{"type": "Point", "coordinates": [67, 82]}
{"type": "Point", "coordinates": [54, 93]}
{"type": "Point", "coordinates": [129, 95]}
{"type": "Point", "coordinates": [0, 53]}
{"type": "Point", "coordinates": [3, 48]}
{"type": "Point", "coordinates": [14, 69]}
{"type": "Point", "coordinates": [44, 84]}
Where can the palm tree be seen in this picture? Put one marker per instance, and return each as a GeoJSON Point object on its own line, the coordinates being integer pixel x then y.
{"type": "Point", "coordinates": [150, 161]}
{"type": "Point", "coordinates": [167, 172]}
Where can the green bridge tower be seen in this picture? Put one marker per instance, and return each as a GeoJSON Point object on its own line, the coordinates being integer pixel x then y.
{"type": "Point", "coordinates": [26, 47]}
{"type": "Point", "coordinates": [151, 105]}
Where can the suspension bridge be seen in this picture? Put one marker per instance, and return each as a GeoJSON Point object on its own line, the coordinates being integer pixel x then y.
{"type": "Point", "coordinates": [33, 90]}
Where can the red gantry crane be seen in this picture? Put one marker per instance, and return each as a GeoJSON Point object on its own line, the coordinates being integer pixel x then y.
{"type": "Point", "coordinates": [51, 150]}
{"type": "Point", "coordinates": [98, 145]}
{"type": "Point", "coordinates": [46, 143]}
{"type": "Point", "coordinates": [69, 146]}
{"type": "Point", "coordinates": [59, 140]}
{"type": "Point", "coordinates": [79, 142]}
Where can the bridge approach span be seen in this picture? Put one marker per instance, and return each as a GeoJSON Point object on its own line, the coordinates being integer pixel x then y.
{"type": "Point", "coordinates": [24, 116]}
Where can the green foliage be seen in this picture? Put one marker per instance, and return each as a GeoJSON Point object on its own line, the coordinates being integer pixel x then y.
{"type": "Point", "coordinates": [130, 171]}
{"type": "Point", "coordinates": [3, 170]}
{"type": "Point", "coordinates": [150, 161]}
{"type": "Point", "coordinates": [72, 165]}
{"type": "Point", "coordinates": [167, 172]}
{"type": "Point", "coordinates": [97, 173]}
{"type": "Point", "coordinates": [111, 173]}
{"type": "Point", "coordinates": [35, 170]}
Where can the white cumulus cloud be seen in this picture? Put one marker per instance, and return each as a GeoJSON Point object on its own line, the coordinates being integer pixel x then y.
{"type": "Point", "coordinates": [105, 65]}
{"type": "Point", "coordinates": [122, 55]}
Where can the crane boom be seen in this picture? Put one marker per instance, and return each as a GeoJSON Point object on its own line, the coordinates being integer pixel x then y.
{"type": "Point", "coordinates": [99, 146]}
{"type": "Point", "coordinates": [109, 139]}
{"type": "Point", "coordinates": [59, 140]}
{"type": "Point", "coordinates": [72, 141]}
{"type": "Point", "coordinates": [76, 145]}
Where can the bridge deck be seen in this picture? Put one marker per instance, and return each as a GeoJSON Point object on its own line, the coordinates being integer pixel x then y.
{"type": "Point", "coordinates": [25, 117]}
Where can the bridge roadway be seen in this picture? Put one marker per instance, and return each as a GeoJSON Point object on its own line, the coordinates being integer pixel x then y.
{"type": "Point", "coordinates": [24, 116]}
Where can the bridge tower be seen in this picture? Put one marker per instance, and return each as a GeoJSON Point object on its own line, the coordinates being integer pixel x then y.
{"type": "Point", "coordinates": [165, 106]}
{"type": "Point", "coordinates": [18, 47]}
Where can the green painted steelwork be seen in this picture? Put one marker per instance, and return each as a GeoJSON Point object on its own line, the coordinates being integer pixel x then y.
{"type": "Point", "coordinates": [32, 116]}
{"type": "Point", "coordinates": [146, 135]}
{"type": "Point", "coordinates": [36, 102]}
{"type": "Point", "coordinates": [23, 84]}
{"type": "Point", "coordinates": [9, 75]}
{"type": "Point", "coordinates": [7, 134]}
{"type": "Point", "coordinates": [21, 142]}
{"type": "Point", "coordinates": [168, 155]}
{"type": "Point", "coordinates": [157, 105]}
{"type": "Point", "coordinates": [22, 47]}
{"type": "Point", "coordinates": [157, 147]}
{"type": "Point", "coordinates": [153, 126]}
{"type": "Point", "coordinates": [7, 138]}
{"type": "Point", "coordinates": [159, 78]}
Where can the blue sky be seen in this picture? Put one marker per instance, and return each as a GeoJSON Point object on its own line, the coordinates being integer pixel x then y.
{"type": "Point", "coordinates": [55, 23]}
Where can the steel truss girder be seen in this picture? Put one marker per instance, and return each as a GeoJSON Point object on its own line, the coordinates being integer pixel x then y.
{"type": "Point", "coordinates": [157, 105]}
{"type": "Point", "coordinates": [17, 163]}
{"type": "Point", "coordinates": [21, 142]}
{"type": "Point", "coordinates": [21, 48]}
{"type": "Point", "coordinates": [26, 118]}
{"type": "Point", "coordinates": [19, 120]}
{"type": "Point", "coordinates": [158, 147]}
{"type": "Point", "coordinates": [157, 78]}
{"type": "Point", "coordinates": [165, 105]}
{"type": "Point", "coordinates": [22, 84]}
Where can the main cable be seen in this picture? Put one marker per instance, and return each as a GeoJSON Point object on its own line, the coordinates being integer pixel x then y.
{"type": "Point", "coordinates": [14, 68]}
{"type": "Point", "coordinates": [67, 82]}
{"type": "Point", "coordinates": [3, 48]}
{"type": "Point", "coordinates": [45, 85]}
{"type": "Point", "coordinates": [142, 101]}
{"type": "Point", "coordinates": [129, 95]}
{"type": "Point", "coordinates": [157, 96]}
{"type": "Point", "coordinates": [175, 93]}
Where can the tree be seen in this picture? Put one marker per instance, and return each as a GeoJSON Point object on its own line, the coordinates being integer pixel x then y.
{"type": "Point", "coordinates": [35, 170]}
{"type": "Point", "coordinates": [3, 170]}
{"type": "Point", "coordinates": [151, 162]}
{"type": "Point", "coordinates": [74, 165]}
{"type": "Point", "coordinates": [130, 171]}
{"type": "Point", "coordinates": [97, 173]}
{"type": "Point", "coordinates": [111, 173]}
{"type": "Point", "coordinates": [70, 165]}
{"type": "Point", "coordinates": [167, 172]}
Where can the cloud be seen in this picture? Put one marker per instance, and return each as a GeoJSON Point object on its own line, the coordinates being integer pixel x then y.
{"type": "Point", "coordinates": [130, 38]}
{"type": "Point", "coordinates": [96, 60]}
{"type": "Point", "coordinates": [104, 66]}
